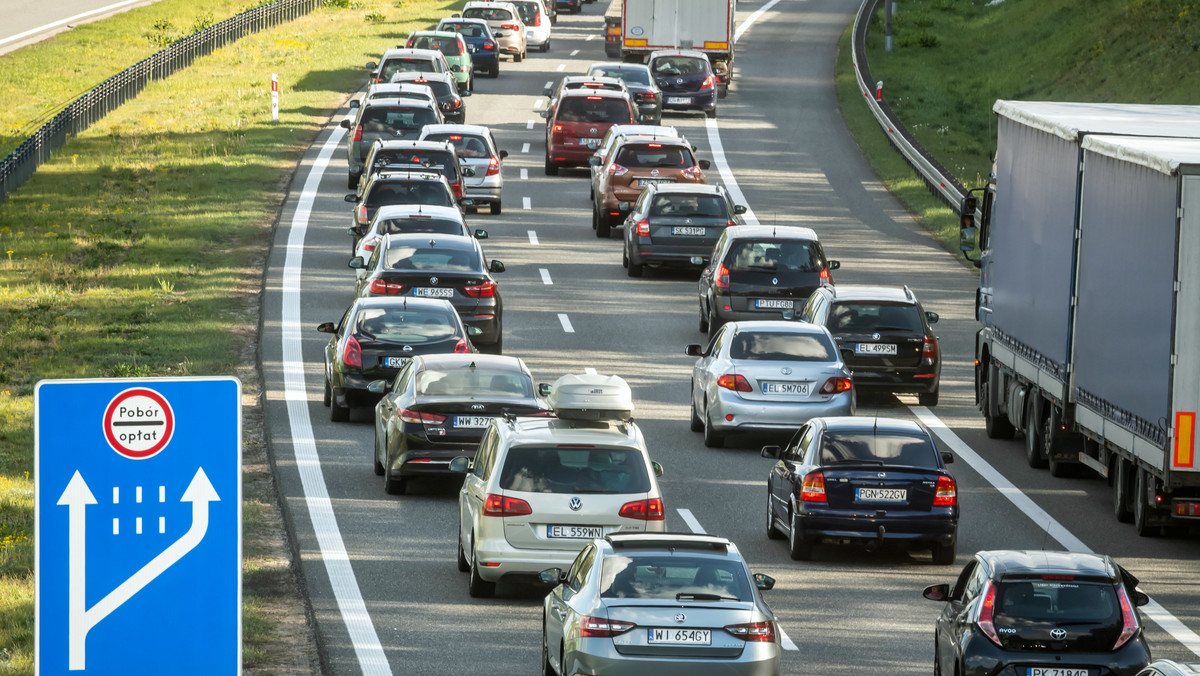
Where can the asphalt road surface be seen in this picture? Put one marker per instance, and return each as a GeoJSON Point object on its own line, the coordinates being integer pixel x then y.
{"type": "Point", "coordinates": [380, 569]}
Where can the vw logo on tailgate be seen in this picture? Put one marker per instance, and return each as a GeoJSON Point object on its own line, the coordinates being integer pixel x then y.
{"type": "Point", "coordinates": [576, 504]}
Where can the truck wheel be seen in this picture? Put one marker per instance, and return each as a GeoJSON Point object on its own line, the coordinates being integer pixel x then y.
{"type": "Point", "coordinates": [997, 427]}
{"type": "Point", "coordinates": [1141, 510]}
{"type": "Point", "coordinates": [1121, 491]}
{"type": "Point", "coordinates": [1034, 450]}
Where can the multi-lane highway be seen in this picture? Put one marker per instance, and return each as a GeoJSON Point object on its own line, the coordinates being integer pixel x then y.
{"type": "Point", "coordinates": [380, 569]}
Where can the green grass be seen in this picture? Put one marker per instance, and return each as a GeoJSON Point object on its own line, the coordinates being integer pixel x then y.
{"type": "Point", "coordinates": [138, 249]}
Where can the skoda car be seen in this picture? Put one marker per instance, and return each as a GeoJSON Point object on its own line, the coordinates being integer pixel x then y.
{"type": "Point", "coordinates": [676, 225]}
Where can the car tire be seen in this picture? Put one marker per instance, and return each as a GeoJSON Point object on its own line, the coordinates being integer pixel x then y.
{"type": "Point", "coordinates": [712, 114]}
{"type": "Point", "coordinates": [478, 587]}
{"type": "Point", "coordinates": [712, 438]}
{"type": "Point", "coordinates": [714, 325]}
{"type": "Point", "coordinates": [703, 319]}
{"type": "Point", "coordinates": [471, 210]}
{"type": "Point", "coordinates": [1121, 490]}
{"type": "Point", "coordinates": [545, 48]}
{"type": "Point", "coordinates": [337, 412]}
{"type": "Point", "coordinates": [1141, 510]}
{"type": "Point", "coordinates": [722, 91]}
{"type": "Point", "coordinates": [799, 549]}
{"type": "Point", "coordinates": [517, 57]}
{"type": "Point", "coordinates": [495, 348]}
{"type": "Point", "coordinates": [551, 167]}
{"type": "Point", "coordinates": [351, 182]}
{"type": "Point", "coordinates": [944, 555]}
{"type": "Point", "coordinates": [496, 208]}
{"type": "Point", "coordinates": [635, 269]}
{"type": "Point", "coordinates": [394, 486]}
{"type": "Point", "coordinates": [328, 398]}
{"type": "Point", "coordinates": [1034, 451]}
{"type": "Point", "coordinates": [591, 193]}
{"type": "Point", "coordinates": [495, 71]}
{"type": "Point", "coordinates": [928, 399]}
{"type": "Point", "coordinates": [463, 565]}
{"type": "Point", "coordinates": [998, 426]}
{"type": "Point", "coordinates": [547, 668]}
{"type": "Point", "coordinates": [379, 469]}
{"type": "Point", "coordinates": [696, 424]}
{"type": "Point", "coordinates": [773, 532]}
{"type": "Point", "coordinates": [603, 229]}
{"type": "Point", "coordinates": [594, 219]}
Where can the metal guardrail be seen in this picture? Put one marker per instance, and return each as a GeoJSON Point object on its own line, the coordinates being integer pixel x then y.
{"type": "Point", "coordinates": [941, 183]}
{"type": "Point", "coordinates": [86, 110]}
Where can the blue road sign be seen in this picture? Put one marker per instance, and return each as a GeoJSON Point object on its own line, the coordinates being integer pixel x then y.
{"type": "Point", "coordinates": [138, 526]}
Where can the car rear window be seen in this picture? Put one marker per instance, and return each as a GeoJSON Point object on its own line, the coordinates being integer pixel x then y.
{"type": "Point", "coordinates": [633, 75]}
{"type": "Point", "coordinates": [405, 326]}
{"type": "Point", "coordinates": [487, 14]}
{"type": "Point", "coordinates": [410, 224]}
{"type": "Point", "coordinates": [415, 96]}
{"type": "Point", "coordinates": [792, 255]}
{"type": "Point", "coordinates": [609, 86]}
{"type": "Point", "coordinates": [467, 30]}
{"type": "Point", "coordinates": [475, 382]}
{"type": "Point", "coordinates": [593, 109]}
{"type": "Point", "coordinates": [680, 65]}
{"type": "Point", "coordinates": [528, 11]}
{"type": "Point", "coordinates": [646, 155]}
{"type": "Point", "coordinates": [537, 469]}
{"type": "Point", "coordinates": [665, 577]}
{"type": "Point", "coordinates": [904, 450]}
{"type": "Point", "coordinates": [689, 206]}
{"type": "Point", "coordinates": [1057, 601]}
{"type": "Point", "coordinates": [382, 120]}
{"type": "Point", "coordinates": [408, 192]}
{"type": "Point", "coordinates": [862, 316]}
{"type": "Point", "coordinates": [768, 346]}
{"type": "Point", "coordinates": [407, 64]}
{"type": "Point", "coordinates": [447, 46]}
{"type": "Point", "coordinates": [466, 144]}
{"type": "Point", "coordinates": [440, 160]}
{"type": "Point", "coordinates": [431, 258]}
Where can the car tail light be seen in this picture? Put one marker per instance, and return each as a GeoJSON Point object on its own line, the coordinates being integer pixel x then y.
{"type": "Point", "coordinates": [836, 386]}
{"type": "Point", "coordinates": [512, 27]}
{"type": "Point", "coordinates": [421, 80]}
{"type": "Point", "coordinates": [650, 509]}
{"type": "Point", "coordinates": [615, 169]}
{"type": "Point", "coordinates": [595, 98]}
{"type": "Point", "coordinates": [382, 287]}
{"type": "Point", "coordinates": [986, 609]}
{"type": "Point", "coordinates": [484, 290]}
{"type": "Point", "coordinates": [493, 166]}
{"type": "Point", "coordinates": [360, 214]}
{"type": "Point", "coordinates": [946, 493]}
{"type": "Point", "coordinates": [456, 102]}
{"type": "Point", "coordinates": [929, 349]}
{"type": "Point", "coordinates": [358, 132]}
{"type": "Point", "coordinates": [456, 188]}
{"type": "Point", "coordinates": [558, 129]}
{"type": "Point", "coordinates": [461, 346]}
{"type": "Point", "coordinates": [488, 44]}
{"type": "Point", "coordinates": [643, 228]}
{"type": "Point", "coordinates": [537, 20]}
{"type": "Point", "coordinates": [826, 279]}
{"type": "Point", "coordinates": [693, 173]}
{"type": "Point", "coordinates": [501, 505]}
{"type": "Point", "coordinates": [417, 417]}
{"type": "Point", "coordinates": [369, 244]}
{"type": "Point", "coordinates": [614, 30]}
{"type": "Point", "coordinates": [813, 488]}
{"type": "Point", "coordinates": [753, 631]}
{"type": "Point", "coordinates": [352, 353]}
{"type": "Point", "coordinates": [722, 276]}
{"type": "Point", "coordinates": [731, 381]}
{"type": "Point", "coordinates": [709, 82]}
{"type": "Point", "coordinates": [598, 627]}
{"type": "Point", "coordinates": [1129, 621]}
{"type": "Point", "coordinates": [645, 96]}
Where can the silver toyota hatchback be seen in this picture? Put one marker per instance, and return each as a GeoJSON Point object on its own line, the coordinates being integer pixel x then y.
{"type": "Point", "coordinates": [661, 605]}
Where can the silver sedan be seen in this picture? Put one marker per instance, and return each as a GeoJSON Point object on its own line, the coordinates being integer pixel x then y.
{"type": "Point", "coordinates": [661, 604]}
{"type": "Point", "coordinates": [765, 376]}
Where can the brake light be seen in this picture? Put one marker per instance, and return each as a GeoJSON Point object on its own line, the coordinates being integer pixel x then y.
{"type": "Point", "coordinates": [722, 277]}
{"type": "Point", "coordinates": [929, 349]}
{"type": "Point", "coordinates": [1129, 622]}
{"type": "Point", "coordinates": [457, 189]}
{"type": "Point", "coordinates": [537, 20]}
{"type": "Point", "coordinates": [420, 80]}
{"type": "Point", "coordinates": [461, 346]}
{"type": "Point", "coordinates": [598, 627]}
{"type": "Point", "coordinates": [352, 353]}
{"type": "Point", "coordinates": [488, 44]}
{"type": "Point", "coordinates": [369, 244]}
{"type": "Point", "coordinates": [645, 96]}
{"type": "Point", "coordinates": [946, 494]}
{"type": "Point", "coordinates": [650, 509]}
{"type": "Point", "coordinates": [595, 98]}
{"type": "Point", "coordinates": [986, 608]}
{"type": "Point", "coordinates": [500, 505]}
{"type": "Point", "coordinates": [654, 145]}
{"type": "Point", "coordinates": [557, 128]}
{"type": "Point", "coordinates": [753, 631]}
{"type": "Point", "coordinates": [615, 169]}
{"type": "Point", "coordinates": [409, 43]}
{"type": "Point", "coordinates": [455, 137]}
{"type": "Point", "coordinates": [836, 386]}
{"type": "Point", "coordinates": [693, 173]}
{"type": "Point", "coordinates": [382, 287]}
{"type": "Point", "coordinates": [643, 228]}
{"type": "Point", "coordinates": [709, 82]}
{"type": "Point", "coordinates": [512, 27]}
{"type": "Point", "coordinates": [360, 214]}
{"type": "Point", "coordinates": [456, 102]}
{"type": "Point", "coordinates": [417, 417]}
{"type": "Point", "coordinates": [358, 132]}
{"type": "Point", "coordinates": [484, 290]}
{"type": "Point", "coordinates": [731, 381]}
{"type": "Point", "coordinates": [826, 280]}
{"type": "Point", "coordinates": [493, 166]}
{"type": "Point", "coordinates": [813, 488]}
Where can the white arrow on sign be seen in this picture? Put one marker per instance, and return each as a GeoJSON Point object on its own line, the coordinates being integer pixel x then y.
{"type": "Point", "coordinates": [77, 497]}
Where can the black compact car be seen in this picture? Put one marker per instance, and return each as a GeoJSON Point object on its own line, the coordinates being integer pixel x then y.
{"type": "Point", "coordinates": [761, 272]}
{"type": "Point", "coordinates": [438, 408]}
{"type": "Point", "coordinates": [445, 88]}
{"type": "Point", "coordinates": [676, 225]}
{"type": "Point", "coordinates": [450, 267]}
{"type": "Point", "coordinates": [405, 186]}
{"type": "Point", "coordinates": [867, 481]}
{"type": "Point", "coordinates": [884, 336]}
{"type": "Point", "coordinates": [1030, 613]}
{"type": "Point", "coordinates": [642, 88]}
{"type": "Point", "coordinates": [377, 336]}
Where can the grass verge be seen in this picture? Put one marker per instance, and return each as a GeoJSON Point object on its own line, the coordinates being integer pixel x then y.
{"type": "Point", "coordinates": [138, 251]}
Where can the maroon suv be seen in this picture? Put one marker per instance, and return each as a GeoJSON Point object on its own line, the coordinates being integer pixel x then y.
{"type": "Point", "coordinates": [578, 124]}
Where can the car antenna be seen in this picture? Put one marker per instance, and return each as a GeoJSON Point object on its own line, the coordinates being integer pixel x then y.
{"type": "Point", "coordinates": [472, 366]}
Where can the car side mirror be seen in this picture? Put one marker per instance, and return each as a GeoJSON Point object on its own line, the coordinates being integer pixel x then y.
{"type": "Point", "coordinates": [371, 65]}
{"type": "Point", "coordinates": [352, 232]}
{"type": "Point", "coordinates": [552, 576]}
{"type": "Point", "coordinates": [467, 170]}
{"type": "Point", "coordinates": [345, 123]}
{"type": "Point", "coordinates": [496, 266]}
{"type": "Point", "coordinates": [835, 265]}
{"type": "Point", "coordinates": [947, 457]}
{"type": "Point", "coordinates": [461, 464]}
{"type": "Point", "coordinates": [645, 118]}
{"type": "Point", "coordinates": [544, 389]}
{"type": "Point", "coordinates": [595, 161]}
{"type": "Point", "coordinates": [357, 263]}
{"type": "Point", "coordinates": [465, 93]}
{"type": "Point", "coordinates": [480, 233]}
{"type": "Point", "coordinates": [353, 104]}
{"type": "Point", "coordinates": [327, 327]}
{"type": "Point", "coordinates": [764, 582]}
{"type": "Point", "coordinates": [931, 317]}
{"type": "Point", "coordinates": [937, 592]}
{"type": "Point", "coordinates": [771, 451]}
{"type": "Point", "coordinates": [624, 207]}
{"type": "Point", "coordinates": [503, 154]}
{"type": "Point", "coordinates": [739, 209]}
{"type": "Point", "coordinates": [546, 91]}
{"type": "Point", "coordinates": [704, 164]}
{"type": "Point", "coordinates": [543, 114]}
{"type": "Point", "coordinates": [694, 350]}
{"type": "Point", "coordinates": [1140, 598]}
{"type": "Point", "coordinates": [377, 386]}
{"type": "Point", "coordinates": [350, 198]}
{"type": "Point", "coordinates": [658, 470]}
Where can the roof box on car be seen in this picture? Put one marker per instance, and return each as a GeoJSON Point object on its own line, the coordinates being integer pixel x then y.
{"type": "Point", "coordinates": [591, 397]}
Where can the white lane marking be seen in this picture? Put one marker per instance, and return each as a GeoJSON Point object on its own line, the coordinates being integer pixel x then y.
{"type": "Point", "coordinates": [1161, 616]}
{"type": "Point", "coordinates": [545, 276]}
{"type": "Point", "coordinates": [575, 53]}
{"type": "Point", "coordinates": [162, 493]}
{"type": "Point", "coordinates": [690, 520]}
{"type": "Point", "coordinates": [752, 18]}
{"type": "Point", "coordinates": [524, 174]}
{"type": "Point", "coordinates": [785, 639]}
{"type": "Point", "coordinates": [549, 84]}
{"type": "Point", "coordinates": [566, 323]}
{"type": "Point", "coordinates": [533, 238]}
{"type": "Point", "coordinates": [367, 648]}
{"type": "Point", "coordinates": [524, 147]}
{"type": "Point", "coordinates": [526, 203]}
{"type": "Point", "coordinates": [63, 22]}
{"type": "Point", "coordinates": [561, 67]}
{"type": "Point", "coordinates": [116, 526]}
{"type": "Point", "coordinates": [538, 104]}
{"type": "Point", "coordinates": [731, 184]}
{"type": "Point", "coordinates": [529, 124]}
{"type": "Point", "coordinates": [589, 370]}
{"type": "Point", "coordinates": [591, 37]}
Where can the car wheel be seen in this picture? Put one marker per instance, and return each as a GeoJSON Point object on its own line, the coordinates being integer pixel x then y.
{"type": "Point", "coordinates": [712, 114]}
{"type": "Point", "coordinates": [635, 269]}
{"type": "Point", "coordinates": [496, 208]}
{"type": "Point", "coordinates": [463, 566]}
{"type": "Point", "coordinates": [478, 587]}
{"type": "Point", "coordinates": [799, 548]}
{"type": "Point", "coordinates": [1141, 510]}
{"type": "Point", "coordinates": [712, 438]}
{"type": "Point", "coordinates": [591, 193]}
{"type": "Point", "coordinates": [495, 348]}
{"type": "Point", "coordinates": [547, 668]}
{"type": "Point", "coordinates": [517, 57]}
{"type": "Point", "coordinates": [937, 664]}
{"type": "Point", "coordinates": [1121, 476]}
{"type": "Point", "coordinates": [697, 425]}
{"type": "Point", "coordinates": [394, 486]}
{"type": "Point", "coordinates": [772, 532]}
{"type": "Point", "coordinates": [379, 470]}
{"type": "Point", "coordinates": [1034, 454]}
{"type": "Point", "coordinates": [603, 229]}
{"type": "Point", "coordinates": [328, 393]}
{"type": "Point", "coordinates": [944, 555]}
{"type": "Point", "coordinates": [351, 181]}
{"type": "Point", "coordinates": [471, 83]}
{"type": "Point", "coordinates": [703, 319]}
{"type": "Point", "coordinates": [546, 47]}
{"type": "Point", "coordinates": [998, 426]}
{"type": "Point", "coordinates": [337, 412]}
{"type": "Point", "coordinates": [471, 210]}
{"type": "Point", "coordinates": [551, 167]}
{"type": "Point", "coordinates": [928, 399]}
{"type": "Point", "coordinates": [722, 91]}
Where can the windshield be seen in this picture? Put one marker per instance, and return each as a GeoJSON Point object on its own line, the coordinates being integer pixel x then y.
{"type": "Point", "coordinates": [532, 469]}
{"type": "Point", "coordinates": [680, 65]}
{"type": "Point", "coordinates": [431, 258]}
{"type": "Point", "coordinates": [646, 155]}
{"type": "Point", "coordinates": [475, 382]}
{"type": "Point", "coordinates": [867, 316]}
{"type": "Point", "coordinates": [632, 75]}
{"type": "Point", "coordinates": [891, 448]}
{"type": "Point", "coordinates": [593, 109]}
{"type": "Point", "coordinates": [465, 145]}
{"type": "Point", "coordinates": [409, 192]}
{"type": "Point", "coordinates": [411, 224]}
{"type": "Point", "coordinates": [759, 345]}
{"type": "Point", "coordinates": [447, 46]}
{"type": "Point", "coordinates": [689, 206]}
{"type": "Point", "coordinates": [792, 255]}
{"type": "Point", "coordinates": [402, 325]}
{"type": "Point", "coordinates": [672, 577]}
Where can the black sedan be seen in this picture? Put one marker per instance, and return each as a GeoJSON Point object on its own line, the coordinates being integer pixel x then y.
{"type": "Point", "coordinates": [376, 337]}
{"type": "Point", "coordinates": [870, 481]}
{"type": "Point", "coordinates": [438, 408]}
{"type": "Point", "coordinates": [450, 267]}
{"type": "Point", "coordinates": [676, 225]}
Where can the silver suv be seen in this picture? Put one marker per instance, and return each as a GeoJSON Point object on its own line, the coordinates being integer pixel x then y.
{"type": "Point", "coordinates": [541, 488]}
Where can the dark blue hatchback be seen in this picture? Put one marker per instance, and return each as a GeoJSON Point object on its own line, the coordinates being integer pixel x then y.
{"type": "Point", "coordinates": [485, 53]}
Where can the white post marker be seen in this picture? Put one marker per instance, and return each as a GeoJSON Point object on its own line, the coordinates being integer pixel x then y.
{"type": "Point", "coordinates": [274, 97]}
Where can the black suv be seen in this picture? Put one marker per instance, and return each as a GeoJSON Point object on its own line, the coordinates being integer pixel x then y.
{"type": "Point", "coordinates": [761, 272]}
{"type": "Point", "coordinates": [445, 88]}
{"type": "Point", "coordinates": [417, 155]}
{"type": "Point", "coordinates": [1040, 612]}
{"type": "Point", "coordinates": [884, 336]}
{"type": "Point", "coordinates": [399, 187]}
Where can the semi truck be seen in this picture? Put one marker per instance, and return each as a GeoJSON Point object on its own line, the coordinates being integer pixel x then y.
{"type": "Point", "coordinates": [638, 27]}
{"type": "Point", "coordinates": [1089, 297]}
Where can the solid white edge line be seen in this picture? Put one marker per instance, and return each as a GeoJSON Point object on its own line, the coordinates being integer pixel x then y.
{"type": "Point", "coordinates": [566, 323]}
{"type": "Point", "coordinates": [524, 174]}
{"type": "Point", "coordinates": [752, 18]}
{"type": "Point", "coordinates": [525, 147]}
{"type": "Point", "coordinates": [526, 203]}
{"type": "Point", "coordinates": [718, 155]}
{"type": "Point", "coordinates": [1161, 616]}
{"type": "Point", "coordinates": [545, 276]}
{"type": "Point", "coordinates": [691, 521]}
{"type": "Point", "coordinates": [61, 22]}
{"type": "Point", "coordinates": [532, 237]}
{"type": "Point", "coordinates": [367, 647]}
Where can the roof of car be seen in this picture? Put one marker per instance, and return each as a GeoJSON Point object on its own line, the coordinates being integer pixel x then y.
{"type": "Point", "coordinates": [669, 541]}
{"type": "Point", "coordinates": [770, 232]}
{"type": "Point", "coordinates": [494, 362]}
{"type": "Point", "coordinates": [644, 130]}
{"type": "Point", "coordinates": [423, 239]}
{"type": "Point", "coordinates": [891, 294]}
{"type": "Point", "coordinates": [398, 52]}
{"type": "Point", "coordinates": [631, 139]}
{"type": "Point", "coordinates": [397, 103]}
{"type": "Point", "coordinates": [396, 87]}
{"type": "Point", "coordinates": [554, 431]}
{"type": "Point", "coordinates": [402, 210]}
{"type": "Point", "coordinates": [405, 301]}
{"type": "Point", "coordinates": [408, 175]}
{"type": "Point", "coordinates": [592, 78]}
{"type": "Point", "coordinates": [434, 34]}
{"type": "Point", "coordinates": [457, 129]}
{"type": "Point", "coordinates": [618, 65]}
{"type": "Point", "coordinates": [687, 188]}
{"type": "Point", "coordinates": [609, 93]}
{"type": "Point", "coordinates": [462, 19]}
{"type": "Point", "coordinates": [412, 145]}
{"type": "Point", "coordinates": [777, 326]}
{"type": "Point", "coordinates": [486, 3]}
{"type": "Point", "coordinates": [678, 52]}
{"type": "Point", "coordinates": [870, 423]}
{"type": "Point", "coordinates": [1016, 562]}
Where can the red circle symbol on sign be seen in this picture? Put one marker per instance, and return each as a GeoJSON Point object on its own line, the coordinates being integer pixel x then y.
{"type": "Point", "coordinates": [138, 423]}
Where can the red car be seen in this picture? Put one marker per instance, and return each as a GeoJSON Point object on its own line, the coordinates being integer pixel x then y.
{"type": "Point", "coordinates": [578, 123]}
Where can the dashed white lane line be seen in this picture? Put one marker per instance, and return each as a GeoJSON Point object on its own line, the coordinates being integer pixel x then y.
{"type": "Point", "coordinates": [566, 323]}
{"type": "Point", "coordinates": [524, 147]}
{"type": "Point", "coordinates": [524, 174]}
{"type": "Point", "coordinates": [561, 67]}
{"type": "Point", "coordinates": [545, 276]}
{"type": "Point", "coordinates": [575, 53]}
{"type": "Point", "coordinates": [591, 37]}
{"type": "Point", "coordinates": [752, 18]}
{"type": "Point", "coordinates": [533, 238]}
{"type": "Point", "coordinates": [549, 84]}
{"type": "Point", "coordinates": [526, 203]}
{"type": "Point", "coordinates": [529, 124]}
{"type": "Point", "coordinates": [537, 104]}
